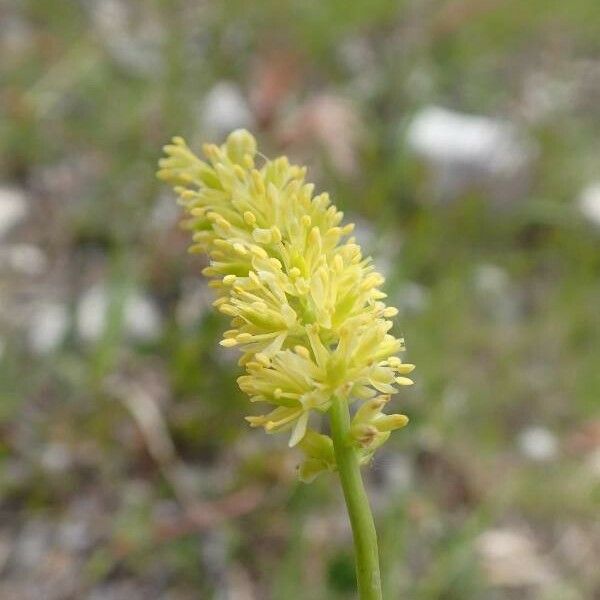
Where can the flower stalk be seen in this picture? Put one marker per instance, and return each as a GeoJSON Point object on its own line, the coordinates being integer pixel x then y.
{"type": "Point", "coordinates": [363, 528]}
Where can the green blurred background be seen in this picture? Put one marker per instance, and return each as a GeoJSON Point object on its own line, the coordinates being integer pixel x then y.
{"type": "Point", "coordinates": [462, 137]}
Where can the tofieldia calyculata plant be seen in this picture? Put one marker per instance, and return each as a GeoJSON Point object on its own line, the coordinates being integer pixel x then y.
{"type": "Point", "coordinates": [306, 311]}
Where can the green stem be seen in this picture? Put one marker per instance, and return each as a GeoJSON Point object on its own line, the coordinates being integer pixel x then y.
{"type": "Point", "coordinates": [359, 511]}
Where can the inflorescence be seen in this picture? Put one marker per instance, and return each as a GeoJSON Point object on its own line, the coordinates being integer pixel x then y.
{"type": "Point", "coordinates": [306, 307]}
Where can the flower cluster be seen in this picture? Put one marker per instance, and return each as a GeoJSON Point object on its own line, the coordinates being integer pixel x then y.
{"type": "Point", "coordinates": [306, 307]}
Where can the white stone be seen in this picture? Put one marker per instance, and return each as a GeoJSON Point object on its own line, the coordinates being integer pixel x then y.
{"type": "Point", "coordinates": [465, 149]}
{"type": "Point", "coordinates": [164, 214]}
{"type": "Point", "coordinates": [510, 559]}
{"type": "Point", "coordinates": [25, 258]}
{"type": "Point", "coordinates": [141, 317]}
{"type": "Point", "coordinates": [48, 327]}
{"type": "Point", "coordinates": [589, 203]}
{"type": "Point", "coordinates": [224, 109]}
{"type": "Point", "coordinates": [447, 136]}
{"type": "Point", "coordinates": [133, 38]}
{"type": "Point", "coordinates": [538, 443]}
{"type": "Point", "coordinates": [491, 279]}
{"type": "Point", "coordinates": [91, 313]}
{"type": "Point", "coordinates": [13, 208]}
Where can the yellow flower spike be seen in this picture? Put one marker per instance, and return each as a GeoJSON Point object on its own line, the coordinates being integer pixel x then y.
{"type": "Point", "coordinates": [306, 310]}
{"type": "Point", "coordinates": [306, 306]}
